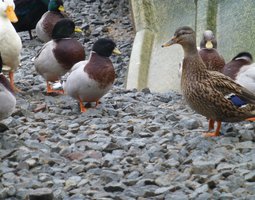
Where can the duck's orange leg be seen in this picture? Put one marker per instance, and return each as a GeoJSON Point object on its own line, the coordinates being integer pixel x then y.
{"type": "Point", "coordinates": [97, 102]}
{"type": "Point", "coordinates": [251, 119]}
{"type": "Point", "coordinates": [82, 108]}
{"type": "Point", "coordinates": [216, 133]}
{"type": "Point", "coordinates": [211, 124]}
{"type": "Point", "coordinates": [50, 90]}
{"type": "Point", "coordinates": [14, 88]}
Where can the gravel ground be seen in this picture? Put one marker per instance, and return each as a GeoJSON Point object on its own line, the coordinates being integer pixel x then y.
{"type": "Point", "coordinates": [133, 146]}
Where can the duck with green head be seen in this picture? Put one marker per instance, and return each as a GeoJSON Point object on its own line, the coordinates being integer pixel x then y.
{"type": "Point", "coordinates": [59, 55]}
{"type": "Point", "coordinates": [45, 25]}
{"type": "Point", "coordinates": [210, 93]}
{"type": "Point", "coordinates": [7, 98]}
{"type": "Point", "coordinates": [91, 79]}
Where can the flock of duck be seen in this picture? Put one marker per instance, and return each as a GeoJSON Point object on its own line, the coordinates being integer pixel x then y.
{"type": "Point", "coordinates": [88, 80]}
{"type": "Point", "coordinates": [221, 92]}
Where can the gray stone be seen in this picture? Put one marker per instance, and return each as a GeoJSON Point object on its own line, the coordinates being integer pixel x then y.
{"type": "Point", "coordinates": [41, 194]}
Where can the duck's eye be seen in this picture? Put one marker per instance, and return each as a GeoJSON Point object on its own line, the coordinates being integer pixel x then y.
{"type": "Point", "coordinates": [181, 33]}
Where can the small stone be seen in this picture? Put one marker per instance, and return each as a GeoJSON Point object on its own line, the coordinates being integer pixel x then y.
{"type": "Point", "coordinates": [114, 187]}
{"type": "Point", "coordinates": [250, 177]}
{"type": "Point", "coordinates": [41, 194]}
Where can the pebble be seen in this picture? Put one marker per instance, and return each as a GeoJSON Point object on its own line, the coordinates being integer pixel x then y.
{"type": "Point", "coordinates": [135, 145]}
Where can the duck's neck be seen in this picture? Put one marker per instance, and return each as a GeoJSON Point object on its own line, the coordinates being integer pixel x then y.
{"type": "Point", "coordinates": [190, 50]}
{"type": "Point", "coordinates": [193, 65]}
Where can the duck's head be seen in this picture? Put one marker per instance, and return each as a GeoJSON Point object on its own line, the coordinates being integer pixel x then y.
{"type": "Point", "coordinates": [7, 8]}
{"type": "Point", "coordinates": [63, 29]}
{"type": "Point", "coordinates": [244, 56]}
{"type": "Point", "coordinates": [184, 36]}
{"type": "Point", "coordinates": [56, 5]}
{"type": "Point", "coordinates": [105, 47]}
{"type": "Point", "coordinates": [208, 40]}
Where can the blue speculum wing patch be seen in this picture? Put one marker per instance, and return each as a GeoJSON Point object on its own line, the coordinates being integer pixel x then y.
{"type": "Point", "coordinates": [237, 101]}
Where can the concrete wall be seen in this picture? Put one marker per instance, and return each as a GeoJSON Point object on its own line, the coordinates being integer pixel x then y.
{"type": "Point", "coordinates": [155, 22]}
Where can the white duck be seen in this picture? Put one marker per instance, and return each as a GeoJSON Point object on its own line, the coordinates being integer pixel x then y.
{"type": "Point", "coordinates": [91, 79]}
{"type": "Point", "coordinates": [7, 98]}
{"type": "Point", "coordinates": [10, 42]}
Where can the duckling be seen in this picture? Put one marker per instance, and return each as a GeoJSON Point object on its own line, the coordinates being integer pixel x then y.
{"type": "Point", "coordinates": [7, 98]}
{"type": "Point", "coordinates": [10, 42]}
{"type": "Point", "coordinates": [29, 12]}
{"type": "Point", "coordinates": [208, 52]}
{"type": "Point", "coordinates": [59, 55]}
{"type": "Point", "coordinates": [91, 79]}
{"type": "Point", "coordinates": [210, 93]}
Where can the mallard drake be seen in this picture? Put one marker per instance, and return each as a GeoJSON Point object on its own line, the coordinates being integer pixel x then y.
{"type": "Point", "coordinates": [210, 93]}
{"type": "Point", "coordinates": [45, 25]}
{"type": "Point", "coordinates": [10, 42]}
{"type": "Point", "coordinates": [7, 98]}
{"type": "Point", "coordinates": [29, 12]}
{"type": "Point", "coordinates": [90, 80]}
{"type": "Point", "coordinates": [59, 55]}
{"type": "Point", "coordinates": [208, 52]}
{"type": "Point", "coordinates": [241, 69]}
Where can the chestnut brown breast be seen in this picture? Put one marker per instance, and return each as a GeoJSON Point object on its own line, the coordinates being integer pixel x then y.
{"type": "Point", "coordinates": [68, 52]}
{"type": "Point", "coordinates": [100, 69]}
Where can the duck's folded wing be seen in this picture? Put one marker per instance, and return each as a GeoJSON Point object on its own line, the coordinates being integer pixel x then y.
{"type": "Point", "coordinates": [227, 86]}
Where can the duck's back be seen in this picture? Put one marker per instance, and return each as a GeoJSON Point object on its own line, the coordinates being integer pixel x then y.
{"type": "Point", "coordinates": [46, 24]}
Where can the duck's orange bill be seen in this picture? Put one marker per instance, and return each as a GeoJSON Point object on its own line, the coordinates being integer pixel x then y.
{"type": "Point", "coordinates": [11, 14]}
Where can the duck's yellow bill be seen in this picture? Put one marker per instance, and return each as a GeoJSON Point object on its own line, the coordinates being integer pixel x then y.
{"type": "Point", "coordinates": [11, 14]}
{"type": "Point", "coordinates": [77, 29]}
{"type": "Point", "coordinates": [61, 8]}
{"type": "Point", "coordinates": [209, 45]}
{"type": "Point", "coordinates": [116, 51]}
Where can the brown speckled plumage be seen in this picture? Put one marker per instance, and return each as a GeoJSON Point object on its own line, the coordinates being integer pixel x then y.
{"type": "Point", "coordinates": [205, 91]}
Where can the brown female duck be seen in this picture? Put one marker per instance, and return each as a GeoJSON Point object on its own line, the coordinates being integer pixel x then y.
{"type": "Point", "coordinates": [208, 52]}
{"type": "Point", "coordinates": [210, 93]}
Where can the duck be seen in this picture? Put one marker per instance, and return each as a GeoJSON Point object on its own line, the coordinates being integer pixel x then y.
{"type": "Point", "coordinates": [10, 42]}
{"type": "Point", "coordinates": [208, 52]}
{"type": "Point", "coordinates": [29, 12]}
{"type": "Point", "coordinates": [210, 93]}
{"type": "Point", "coordinates": [242, 70]}
{"type": "Point", "coordinates": [91, 79]}
{"type": "Point", "coordinates": [58, 55]}
{"type": "Point", "coordinates": [45, 25]}
{"type": "Point", "coordinates": [7, 97]}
